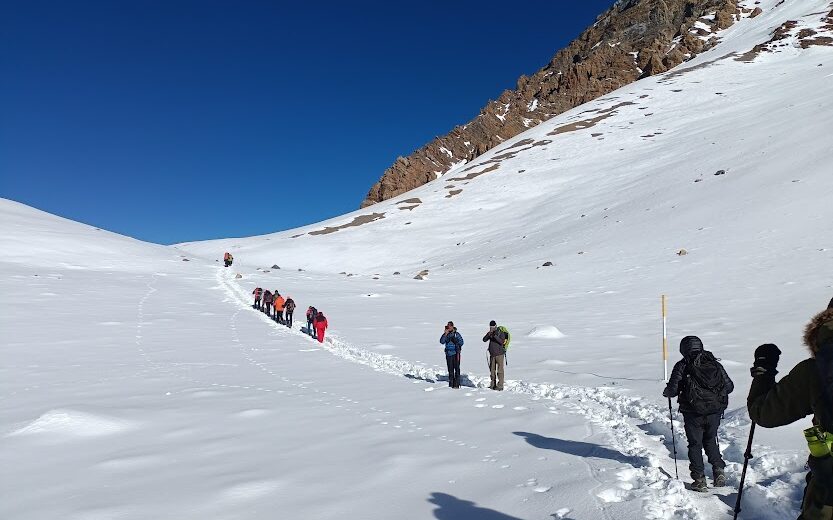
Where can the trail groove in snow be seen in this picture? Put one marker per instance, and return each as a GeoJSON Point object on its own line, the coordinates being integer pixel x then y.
{"type": "Point", "coordinates": [649, 480]}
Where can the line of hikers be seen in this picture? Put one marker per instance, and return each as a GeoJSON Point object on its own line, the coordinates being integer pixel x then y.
{"type": "Point", "coordinates": [228, 259]}
{"type": "Point", "coordinates": [282, 310]}
{"type": "Point", "coordinates": [702, 388]}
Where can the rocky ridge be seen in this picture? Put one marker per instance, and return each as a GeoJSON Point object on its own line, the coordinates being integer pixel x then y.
{"type": "Point", "coordinates": [633, 39]}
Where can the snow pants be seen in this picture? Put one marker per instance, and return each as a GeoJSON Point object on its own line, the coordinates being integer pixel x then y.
{"type": "Point", "coordinates": [453, 364]}
{"type": "Point", "coordinates": [496, 368]}
{"type": "Point", "coordinates": [701, 431]}
{"type": "Point", "coordinates": [319, 333]}
{"type": "Point", "coordinates": [288, 319]}
{"type": "Point", "coordinates": [310, 328]}
{"type": "Point", "coordinates": [257, 303]}
{"type": "Point", "coordinates": [268, 308]}
{"type": "Point", "coordinates": [818, 500]}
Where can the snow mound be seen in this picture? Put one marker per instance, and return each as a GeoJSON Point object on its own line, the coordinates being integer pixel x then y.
{"type": "Point", "coordinates": [74, 423]}
{"type": "Point", "coordinates": [546, 332]}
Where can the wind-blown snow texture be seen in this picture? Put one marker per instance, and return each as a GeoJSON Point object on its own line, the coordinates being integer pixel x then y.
{"type": "Point", "coordinates": [137, 385]}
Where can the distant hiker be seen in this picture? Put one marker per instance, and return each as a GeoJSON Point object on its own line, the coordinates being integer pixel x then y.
{"type": "Point", "coordinates": [289, 310]}
{"type": "Point", "coordinates": [320, 326]}
{"type": "Point", "coordinates": [279, 305]}
{"type": "Point", "coordinates": [702, 388]}
{"type": "Point", "coordinates": [807, 389]}
{"type": "Point", "coordinates": [311, 314]}
{"type": "Point", "coordinates": [258, 292]}
{"type": "Point", "coordinates": [497, 355]}
{"type": "Point", "coordinates": [453, 342]}
{"type": "Point", "coordinates": [268, 298]}
{"type": "Point", "coordinates": [226, 259]}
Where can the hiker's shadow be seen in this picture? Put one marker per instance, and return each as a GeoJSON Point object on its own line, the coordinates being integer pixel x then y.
{"type": "Point", "coordinates": [452, 508]}
{"type": "Point", "coordinates": [581, 449]}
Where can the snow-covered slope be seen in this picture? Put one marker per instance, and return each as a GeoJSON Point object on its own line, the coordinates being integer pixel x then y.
{"type": "Point", "coordinates": [630, 175]}
{"type": "Point", "coordinates": [135, 385]}
{"type": "Point", "coordinates": [36, 238]}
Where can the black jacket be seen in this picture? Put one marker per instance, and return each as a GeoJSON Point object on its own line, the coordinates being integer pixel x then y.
{"type": "Point", "coordinates": [677, 381]}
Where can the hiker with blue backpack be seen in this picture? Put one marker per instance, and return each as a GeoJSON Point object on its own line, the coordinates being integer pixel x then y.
{"type": "Point", "coordinates": [498, 339]}
{"type": "Point", "coordinates": [453, 342]}
{"type": "Point", "coordinates": [702, 387]}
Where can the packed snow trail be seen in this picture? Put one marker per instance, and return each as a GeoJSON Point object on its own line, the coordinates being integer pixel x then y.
{"type": "Point", "coordinates": [635, 428]}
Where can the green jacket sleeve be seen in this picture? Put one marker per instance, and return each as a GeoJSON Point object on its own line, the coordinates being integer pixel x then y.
{"type": "Point", "coordinates": [772, 405]}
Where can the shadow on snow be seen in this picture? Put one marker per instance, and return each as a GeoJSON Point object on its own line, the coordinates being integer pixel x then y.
{"type": "Point", "coordinates": [581, 449]}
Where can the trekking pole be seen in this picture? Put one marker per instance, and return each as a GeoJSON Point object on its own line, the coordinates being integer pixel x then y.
{"type": "Point", "coordinates": [673, 439]}
{"type": "Point", "coordinates": [746, 457]}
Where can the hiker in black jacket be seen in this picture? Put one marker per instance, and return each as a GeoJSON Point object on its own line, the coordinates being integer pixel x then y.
{"type": "Point", "coordinates": [702, 388]}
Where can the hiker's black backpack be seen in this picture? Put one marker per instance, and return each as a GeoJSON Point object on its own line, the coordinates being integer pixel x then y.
{"type": "Point", "coordinates": [705, 390]}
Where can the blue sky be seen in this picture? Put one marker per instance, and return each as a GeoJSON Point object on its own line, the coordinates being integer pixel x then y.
{"type": "Point", "coordinates": [182, 120]}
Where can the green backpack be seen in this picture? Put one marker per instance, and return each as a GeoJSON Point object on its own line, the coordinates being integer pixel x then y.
{"type": "Point", "coordinates": [508, 336]}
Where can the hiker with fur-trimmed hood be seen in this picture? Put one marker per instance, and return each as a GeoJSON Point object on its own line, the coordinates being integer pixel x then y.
{"type": "Point", "coordinates": [702, 387]}
{"type": "Point", "coordinates": [806, 390]}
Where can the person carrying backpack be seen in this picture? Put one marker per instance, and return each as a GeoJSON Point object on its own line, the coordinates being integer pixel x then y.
{"type": "Point", "coordinates": [279, 305]}
{"type": "Point", "coordinates": [320, 326]}
{"type": "Point", "coordinates": [267, 302]}
{"type": "Point", "coordinates": [258, 292]}
{"type": "Point", "coordinates": [497, 354]}
{"type": "Point", "coordinates": [702, 387]}
{"type": "Point", "coordinates": [226, 259]}
{"type": "Point", "coordinates": [311, 314]}
{"type": "Point", "coordinates": [453, 342]}
{"type": "Point", "coordinates": [289, 307]}
{"type": "Point", "coordinates": [806, 390]}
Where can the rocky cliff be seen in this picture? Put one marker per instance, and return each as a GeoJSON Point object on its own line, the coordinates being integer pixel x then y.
{"type": "Point", "coordinates": [633, 39]}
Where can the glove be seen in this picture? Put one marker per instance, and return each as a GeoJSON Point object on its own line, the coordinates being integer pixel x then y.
{"type": "Point", "coordinates": [766, 361]}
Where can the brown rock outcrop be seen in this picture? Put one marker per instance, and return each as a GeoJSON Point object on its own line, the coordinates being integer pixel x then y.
{"type": "Point", "coordinates": [633, 39]}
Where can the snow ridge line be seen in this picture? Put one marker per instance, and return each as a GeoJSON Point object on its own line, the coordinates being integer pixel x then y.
{"type": "Point", "coordinates": [663, 496]}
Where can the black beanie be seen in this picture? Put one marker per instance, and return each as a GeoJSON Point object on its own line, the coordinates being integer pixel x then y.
{"type": "Point", "coordinates": [690, 345]}
{"type": "Point", "coordinates": [493, 323]}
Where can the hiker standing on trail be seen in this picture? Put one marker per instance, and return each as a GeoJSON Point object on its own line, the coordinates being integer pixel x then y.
{"type": "Point", "coordinates": [497, 355]}
{"type": "Point", "coordinates": [311, 314]}
{"type": "Point", "coordinates": [320, 326]}
{"type": "Point", "coordinates": [806, 390]}
{"type": "Point", "coordinates": [258, 292]}
{"type": "Point", "coordinates": [453, 342]}
{"type": "Point", "coordinates": [702, 388]}
{"type": "Point", "coordinates": [279, 305]}
{"type": "Point", "coordinates": [226, 259]}
{"type": "Point", "coordinates": [267, 302]}
{"type": "Point", "coordinates": [289, 307]}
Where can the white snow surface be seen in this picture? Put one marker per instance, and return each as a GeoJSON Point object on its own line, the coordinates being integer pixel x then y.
{"type": "Point", "coordinates": [137, 385]}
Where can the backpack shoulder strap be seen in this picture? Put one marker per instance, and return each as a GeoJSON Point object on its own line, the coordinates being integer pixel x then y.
{"type": "Point", "coordinates": [824, 362]}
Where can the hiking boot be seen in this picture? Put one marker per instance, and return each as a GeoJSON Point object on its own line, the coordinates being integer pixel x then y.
{"type": "Point", "coordinates": [719, 477]}
{"type": "Point", "coordinates": [699, 484]}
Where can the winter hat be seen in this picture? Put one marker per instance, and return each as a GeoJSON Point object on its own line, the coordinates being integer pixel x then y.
{"type": "Point", "coordinates": [690, 345]}
{"type": "Point", "coordinates": [493, 323]}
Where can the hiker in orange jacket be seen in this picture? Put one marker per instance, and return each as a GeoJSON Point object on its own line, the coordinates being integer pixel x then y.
{"type": "Point", "coordinates": [320, 326]}
{"type": "Point", "coordinates": [279, 303]}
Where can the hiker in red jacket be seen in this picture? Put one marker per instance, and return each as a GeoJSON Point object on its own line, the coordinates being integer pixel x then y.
{"type": "Point", "coordinates": [320, 326]}
{"type": "Point", "coordinates": [258, 292]}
